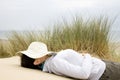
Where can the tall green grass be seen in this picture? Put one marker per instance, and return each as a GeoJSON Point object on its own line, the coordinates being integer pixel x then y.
{"type": "Point", "coordinates": [90, 35]}
{"type": "Point", "coordinates": [5, 49]}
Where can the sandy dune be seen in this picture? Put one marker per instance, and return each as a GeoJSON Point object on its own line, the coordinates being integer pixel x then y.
{"type": "Point", "coordinates": [10, 69]}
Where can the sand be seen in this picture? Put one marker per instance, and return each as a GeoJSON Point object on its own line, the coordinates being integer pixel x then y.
{"type": "Point", "coordinates": [10, 69]}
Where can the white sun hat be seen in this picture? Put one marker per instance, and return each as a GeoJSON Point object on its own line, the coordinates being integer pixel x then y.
{"type": "Point", "coordinates": [36, 50]}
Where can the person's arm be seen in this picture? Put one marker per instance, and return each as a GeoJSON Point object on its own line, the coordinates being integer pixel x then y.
{"type": "Point", "coordinates": [61, 66]}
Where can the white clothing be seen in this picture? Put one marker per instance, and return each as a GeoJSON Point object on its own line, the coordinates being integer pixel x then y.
{"type": "Point", "coordinates": [73, 64]}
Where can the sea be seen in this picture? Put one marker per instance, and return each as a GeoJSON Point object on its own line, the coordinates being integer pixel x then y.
{"type": "Point", "coordinates": [114, 35]}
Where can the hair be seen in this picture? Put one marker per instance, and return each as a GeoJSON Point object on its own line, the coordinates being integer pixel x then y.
{"type": "Point", "coordinates": [28, 62]}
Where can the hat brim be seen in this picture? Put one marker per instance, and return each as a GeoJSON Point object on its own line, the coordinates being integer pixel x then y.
{"type": "Point", "coordinates": [33, 54]}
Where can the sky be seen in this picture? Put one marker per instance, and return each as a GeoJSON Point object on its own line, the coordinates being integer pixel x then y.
{"type": "Point", "coordinates": [39, 14]}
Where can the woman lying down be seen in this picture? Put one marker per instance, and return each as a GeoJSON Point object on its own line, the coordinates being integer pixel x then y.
{"type": "Point", "coordinates": [69, 63]}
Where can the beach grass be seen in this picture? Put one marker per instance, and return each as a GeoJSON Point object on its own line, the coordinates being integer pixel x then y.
{"type": "Point", "coordinates": [4, 49]}
{"type": "Point", "coordinates": [91, 35]}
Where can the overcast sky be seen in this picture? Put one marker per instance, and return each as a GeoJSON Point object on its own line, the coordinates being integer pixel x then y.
{"type": "Point", "coordinates": [39, 14]}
